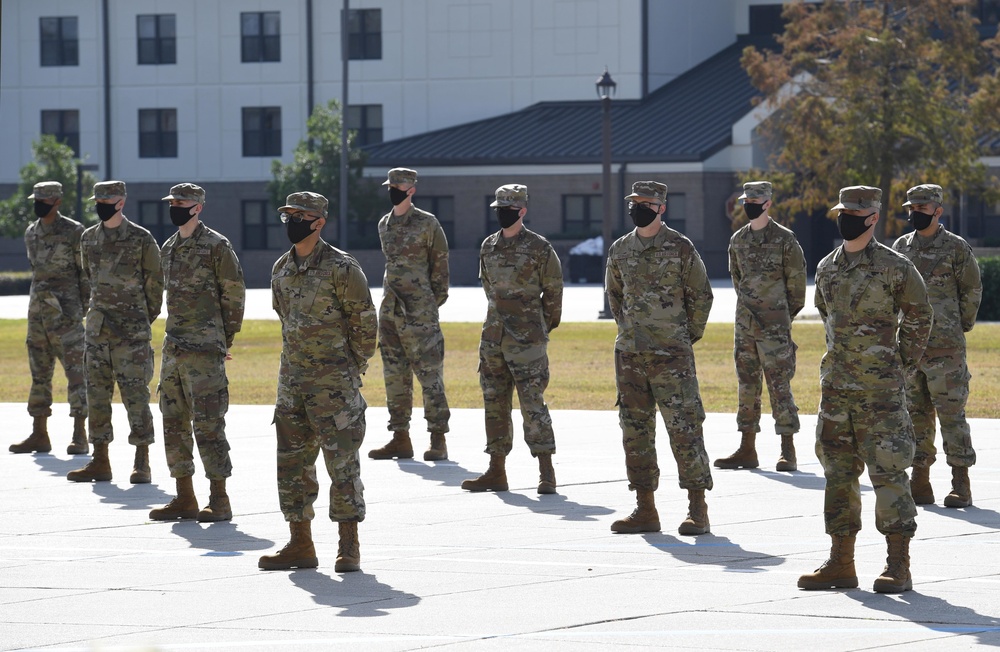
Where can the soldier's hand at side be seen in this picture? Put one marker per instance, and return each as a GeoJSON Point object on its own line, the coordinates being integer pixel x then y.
{"type": "Point", "coordinates": [229, 355]}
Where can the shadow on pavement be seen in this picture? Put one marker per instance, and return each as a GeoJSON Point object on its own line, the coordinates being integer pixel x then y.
{"type": "Point", "coordinates": [222, 539]}
{"type": "Point", "coordinates": [358, 595]}
{"type": "Point", "coordinates": [56, 466]}
{"type": "Point", "coordinates": [447, 473]}
{"type": "Point", "coordinates": [975, 515]}
{"type": "Point", "coordinates": [797, 479]}
{"type": "Point", "coordinates": [940, 615]}
{"type": "Point", "coordinates": [137, 496]}
{"type": "Point", "coordinates": [555, 504]}
{"type": "Point", "coordinates": [712, 549]}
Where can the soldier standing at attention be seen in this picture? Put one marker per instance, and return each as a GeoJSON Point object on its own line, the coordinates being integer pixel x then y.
{"type": "Point", "coordinates": [59, 291]}
{"type": "Point", "coordinates": [122, 262]}
{"type": "Point", "coordinates": [877, 318]}
{"type": "Point", "coordinates": [328, 330]}
{"type": "Point", "coordinates": [522, 278]}
{"type": "Point", "coordinates": [660, 296]}
{"type": "Point", "coordinates": [205, 298]}
{"type": "Point", "coordinates": [409, 333]}
{"type": "Point", "coordinates": [769, 275]}
{"type": "Point", "coordinates": [941, 383]}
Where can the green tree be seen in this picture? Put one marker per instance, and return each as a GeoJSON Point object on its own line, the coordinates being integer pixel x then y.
{"type": "Point", "coordinates": [316, 167]}
{"type": "Point", "coordinates": [889, 93]}
{"type": "Point", "coordinates": [52, 161]}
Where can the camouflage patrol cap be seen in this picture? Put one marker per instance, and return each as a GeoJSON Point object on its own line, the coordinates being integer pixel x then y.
{"type": "Point", "coordinates": [925, 193]}
{"type": "Point", "coordinates": [46, 190]}
{"type": "Point", "coordinates": [858, 198]}
{"type": "Point", "coordinates": [306, 201]}
{"type": "Point", "coordinates": [756, 190]}
{"type": "Point", "coordinates": [511, 194]}
{"type": "Point", "coordinates": [649, 190]}
{"type": "Point", "coordinates": [108, 190]}
{"type": "Point", "coordinates": [398, 176]}
{"type": "Point", "coordinates": [187, 192]}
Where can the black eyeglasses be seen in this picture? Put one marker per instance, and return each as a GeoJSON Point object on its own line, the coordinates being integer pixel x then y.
{"type": "Point", "coordinates": [646, 204]}
{"type": "Point", "coordinates": [296, 217]}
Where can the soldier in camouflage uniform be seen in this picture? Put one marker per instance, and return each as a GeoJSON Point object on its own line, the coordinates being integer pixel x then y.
{"type": "Point", "coordinates": [59, 291]}
{"type": "Point", "coordinates": [205, 298]}
{"type": "Point", "coordinates": [769, 275]}
{"type": "Point", "coordinates": [874, 306]}
{"type": "Point", "coordinates": [522, 278]}
{"type": "Point", "coordinates": [328, 330]}
{"type": "Point", "coordinates": [660, 297]}
{"type": "Point", "coordinates": [941, 383]}
{"type": "Point", "coordinates": [122, 262]}
{"type": "Point", "coordinates": [409, 333]}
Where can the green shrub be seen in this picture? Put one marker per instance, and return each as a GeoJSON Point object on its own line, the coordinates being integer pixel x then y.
{"type": "Point", "coordinates": [990, 308]}
{"type": "Point", "coordinates": [15, 283]}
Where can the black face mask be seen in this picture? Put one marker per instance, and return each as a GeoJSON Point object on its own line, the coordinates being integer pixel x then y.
{"type": "Point", "coordinates": [641, 215]}
{"type": "Point", "coordinates": [299, 231]}
{"type": "Point", "coordinates": [753, 211]}
{"type": "Point", "coordinates": [106, 211]}
{"type": "Point", "coordinates": [852, 227]}
{"type": "Point", "coordinates": [181, 215]}
{"type": "Point", "coordinates": [397, 196]}
{"type": "Point", "coordinates": [920, 221]}
{"type": "Point", "coordinates": [41, 208]}
{"type": "Point", "coordinates": [507, 216]}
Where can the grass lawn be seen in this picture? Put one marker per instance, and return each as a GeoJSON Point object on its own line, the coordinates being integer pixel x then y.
{"type": "Point", "coordinates": [580, 354]}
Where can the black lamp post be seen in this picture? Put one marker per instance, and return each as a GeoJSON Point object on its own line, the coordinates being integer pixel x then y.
{"type": "Point", "coordinates": [80, 169]}
{"type": "Point", "coordinates": [605, 91]}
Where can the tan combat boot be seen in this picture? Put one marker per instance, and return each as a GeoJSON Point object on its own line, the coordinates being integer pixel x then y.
{"type": "Point", "coordinates": [745, 456]}
{"type": "Point", "coordinates": [299, 552]}
{"type": "Point", "coordinates": [896, 576]}
{"type": "Point", "coordinates": [643, 518]}
{"type": "Point", "coordinates": [140, 469]}
{"type": "Point", "coordinates": [349, 550]}
{"type": "Point", "coordinates": [438, 449]}
{"type": "Point", "coordinates": [218, 508]}
{"type": "Point", "coordinates": [697, 517]}
{"type": "Point", "coordinates": [183, 507]}
{"type": "Point", "coordinates": [98, 469]}
{"type": "Point", "coordinates": [920, 486]}
{"type": "Point", "coordinates": [961, 488]}
{"type": "Point", "coordinates": [79, 445]}
{"type": "Point", "coordinates": [399, 447]}
{"type": "Point", "coordinates": [495, 478]}
{"type": "Point", "coordinates": [546, 474]}
{"type": "Point", "coordinates": [37, 441]}
{"type": "Point", "coordinates": [837, 572]}
{"type": "Point", "coordinates": [787, 461]}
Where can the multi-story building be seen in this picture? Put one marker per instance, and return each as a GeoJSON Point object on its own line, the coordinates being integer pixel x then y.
{"type": "Point", "coordinates": [472, 93]}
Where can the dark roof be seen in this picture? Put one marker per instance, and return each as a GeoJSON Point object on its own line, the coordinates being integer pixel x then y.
{"type": "Point", "coordinates": [688, 119]}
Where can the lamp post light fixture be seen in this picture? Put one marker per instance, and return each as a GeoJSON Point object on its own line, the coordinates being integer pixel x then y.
{"type": "Point", "coordinates": [605, 91]}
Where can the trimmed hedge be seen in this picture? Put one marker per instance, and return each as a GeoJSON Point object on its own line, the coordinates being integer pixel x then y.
{"type": "Point", "coordinates": [15, 283]}
{"type": "Point", "coordinates": [989, 310]}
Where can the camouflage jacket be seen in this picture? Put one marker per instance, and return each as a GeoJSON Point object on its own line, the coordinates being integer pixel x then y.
{"type": "Point", "coordinates": [954, 286]}
{"type": "Point", "coordinates": [868, 345]}
{"type": "Point", "coordinates": [416, 266]}
{"type": "Point", "coordinates": [769, 275]}
{"type": "Point", "coordinates": [522, 278]}
{"type": "Point", "coordinates": [126, 281]}
{"type": "Point", "coordinates": [58, 283]}
{"type": "Point", "coordinates": [205, 290]}
{"type": "Point", "coordinates": [659, 294]}
{"type": "Point", "coordinates": [328, 321]}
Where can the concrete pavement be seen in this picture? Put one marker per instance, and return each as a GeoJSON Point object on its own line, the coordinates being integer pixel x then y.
{"type": "Point", "coordinates": [82, 568]}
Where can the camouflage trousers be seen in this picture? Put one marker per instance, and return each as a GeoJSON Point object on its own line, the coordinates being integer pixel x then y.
{"type": "Point", "coordinates": [129, 363]}
{"type": "Point", "coordinates": [941, 385]}
{"type": "Point", "coordinates": [408, 350]}
{"type": "Point", "coordinates": [858, 429]}
{"type": "Point", "coordinates": [503, 367]}
{"type": "Point", "coordinates": [194, 396]}
{"type": "Point", "coordinates": [769, 355]}
{"type": "Point", "coordinates": [308, 418]}
{"type": "Point", "coordinates": [648, 380]}
{"type": "Point", "coordinates": [51, 339]}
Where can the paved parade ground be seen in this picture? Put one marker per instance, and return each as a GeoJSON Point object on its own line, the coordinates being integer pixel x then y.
{"type": "Point", "coordinates": [82, 567]}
